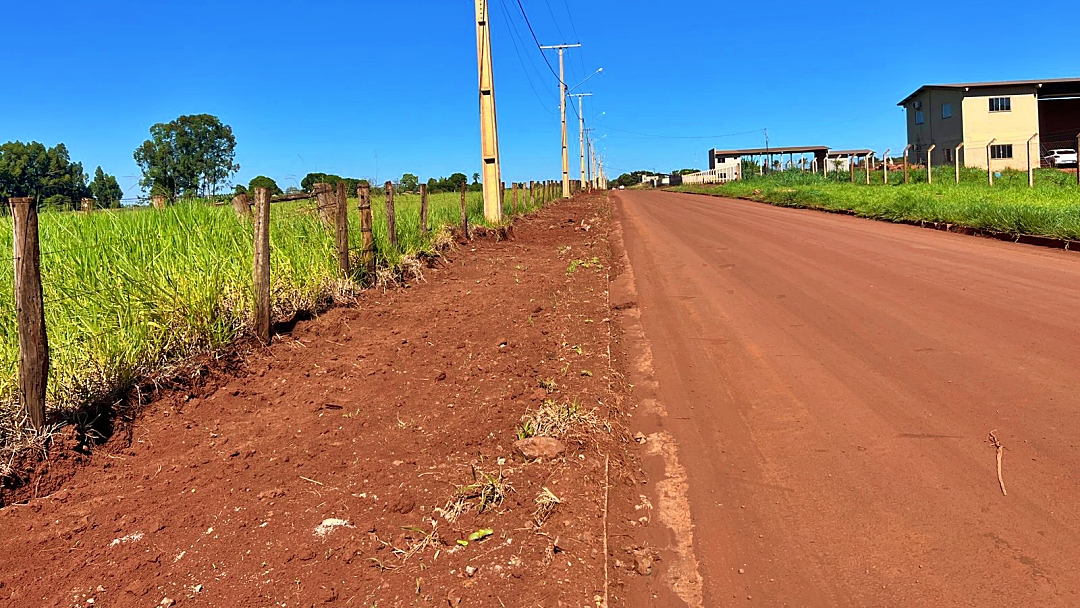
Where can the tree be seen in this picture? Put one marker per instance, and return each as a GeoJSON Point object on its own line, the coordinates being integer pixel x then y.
{"type": "Point", "coordinates": [409, 182]}
{"type": "Point", "coordinates": [311, 179]}
{"type": "Point", "coordinates": [45, 173]}
{"type": "Point", "coordinates": [630, 179]}
{"type": "Point", "coordinates": [264, 182]}
{"type": "Point", "coordinates": [239, 189]}
{"type": "Point", "coordinates": [476, 178]}
{"type": "Point", "coordinates": [685, 171]}
{"type": "Point", "coordinates": [191, 155]}
{"type": "Point", "coordinates": [456, 181]}
{"type": "Point", "coordinates": [105, 190]}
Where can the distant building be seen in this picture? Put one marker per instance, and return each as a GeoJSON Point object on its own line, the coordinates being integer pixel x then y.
{"type": "Point", "coordinates": [1001, 116]}
{"type": "Point", "coordinates": [787, 157]}
{"type": "Point", "coordinates": [656, 181]}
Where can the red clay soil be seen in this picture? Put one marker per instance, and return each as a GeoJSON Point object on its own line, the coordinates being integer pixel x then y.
{"type": "Point", "coordinates": [829, 384]}
{"type": "Point", "coordinates": [317, 474]}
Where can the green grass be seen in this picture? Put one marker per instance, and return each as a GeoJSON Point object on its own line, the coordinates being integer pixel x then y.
{"type": "Point", "coordinates": [1051, 208]}
{"type": "Point", "coordinates": [129, 292]}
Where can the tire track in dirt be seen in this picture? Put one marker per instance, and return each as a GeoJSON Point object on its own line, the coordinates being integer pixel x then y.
{"type": "Point", "coordinates": [680, 575]}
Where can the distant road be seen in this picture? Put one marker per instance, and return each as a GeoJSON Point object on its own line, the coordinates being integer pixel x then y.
{"type": "Point", "coordinates": [831, 383]}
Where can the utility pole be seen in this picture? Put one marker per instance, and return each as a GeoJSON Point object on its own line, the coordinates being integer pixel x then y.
{"type": "Point", "coordinates": [591, 166]}
{"type": "Point", "coordinates": [595, 177]}
{"type": "Point", "coordinates": [581, 129]}
{"type": "Point", "coordinates": [489, 133]}
{"type": "Point", "coordinates": [562, 112]}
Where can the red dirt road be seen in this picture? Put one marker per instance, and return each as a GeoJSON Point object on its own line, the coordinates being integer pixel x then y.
{"type": "Point", "coordinates": [830, 383]}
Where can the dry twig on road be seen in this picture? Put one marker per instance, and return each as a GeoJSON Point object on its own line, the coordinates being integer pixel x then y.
{"type": "Point", "coordinates": [1000, 448]}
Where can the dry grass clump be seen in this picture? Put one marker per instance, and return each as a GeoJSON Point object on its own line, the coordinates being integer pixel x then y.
{"type": "Point", "coordinates": [557, 420]}
{"type": "Point", "coordinates": [487, 489]}
{"type": "Point", "coordinates": [546, 502]}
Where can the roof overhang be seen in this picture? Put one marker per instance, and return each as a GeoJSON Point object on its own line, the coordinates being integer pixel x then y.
{"type": "Point", "coordinates": [770, 150]}
{"type": "Point", "coordinates": [1048, 87]}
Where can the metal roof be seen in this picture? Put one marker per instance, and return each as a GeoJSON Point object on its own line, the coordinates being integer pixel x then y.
{"type": "Point", "coordinates": [839, 153]}
{"type": "Point", "coordinates": [769, 150]}
{"type": "Point", "coordinates": [1002, 83]}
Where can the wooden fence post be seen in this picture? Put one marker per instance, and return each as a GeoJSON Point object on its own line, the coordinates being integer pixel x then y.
{"type": "Point", "coordinates": [242, 205]}
{"type": "Point", "coordinates": [514, 187]}
{"type": "Point", "coordinates": [324, 196]}
{"type": "Point", "coordinates": [341, 223]}
{"type": "Point", "coordinates": [367, 251]}
{"type": "Point", "coordinates": [87, 205]}
{"type": "Point", "coordinates": [391, 220]}
{"type": "Point", "coordinates": [261, 274]}
{"type": "Point", "coordinates": [464, 214]}
{"type": "Point", "coordinates": [423, 209]}
{"type": "Point", "coordinates": [30, 311]}
{"type": "Point", "coordinates": [158, 201]}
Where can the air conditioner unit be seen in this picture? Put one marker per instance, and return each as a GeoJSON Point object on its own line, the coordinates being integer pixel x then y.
{"type": "Point", "coordinates": [917, 105]}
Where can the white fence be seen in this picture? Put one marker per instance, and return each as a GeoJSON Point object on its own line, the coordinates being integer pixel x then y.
{"type": "Point", "coordinates": [713, 176]}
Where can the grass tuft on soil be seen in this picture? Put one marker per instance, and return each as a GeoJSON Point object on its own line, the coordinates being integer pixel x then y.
{"type": "Point", "coordinates": [1051, 208]}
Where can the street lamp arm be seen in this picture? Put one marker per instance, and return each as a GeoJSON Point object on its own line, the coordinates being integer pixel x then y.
{"type": "Point", "coordinates": [584, 81]}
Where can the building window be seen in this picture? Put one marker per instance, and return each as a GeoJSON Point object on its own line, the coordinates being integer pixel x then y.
{"type": "Point", "coordinates": [949, 153]}
{"type": "Point", "coordinates": [1001, 151]}
{"type": "Point", "coordinates": [918, 117]}
{"type": "Point", "coordinates": [1000, 104]}
{"type": "Point", "coordinates": [946, 110]}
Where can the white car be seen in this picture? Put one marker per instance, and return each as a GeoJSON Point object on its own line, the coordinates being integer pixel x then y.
{"type": "Point", "coordinates": [1061, 158]}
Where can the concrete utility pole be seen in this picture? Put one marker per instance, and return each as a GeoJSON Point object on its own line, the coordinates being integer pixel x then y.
{"type": "Point", "coordinates": [489, 132]}
{"type": "Point", "coordinates": [591, 166]}
{"type": "Point", "coordinates": [562, 112]}
{"type": "Point", "coordinates": [581, 129]}
{"type": "Point", "coordinates": [594, 174]}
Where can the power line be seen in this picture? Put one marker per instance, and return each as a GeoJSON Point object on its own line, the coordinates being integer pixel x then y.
{"type": "Point", "coordinates": [654, 136]}
{"type": "Point", "coordinates": [573, 28]}
{"type": "Point", "coordinates": [514, 39]}
{"type": "Point", "coordinates": [538, 45]}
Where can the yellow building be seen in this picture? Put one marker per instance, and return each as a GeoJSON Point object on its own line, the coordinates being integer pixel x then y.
{"type": "Point", "coordinates": [1006, 121]}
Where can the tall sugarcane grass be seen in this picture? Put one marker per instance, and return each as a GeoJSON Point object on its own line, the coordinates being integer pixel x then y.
{"type": "Point", "coordinates": [1051, 208]}
{"type": "Point", "coordinates": [128, 292]}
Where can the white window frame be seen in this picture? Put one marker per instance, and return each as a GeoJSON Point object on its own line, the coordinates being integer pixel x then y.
{"type": "Point", "coordinates": [1000, 104]}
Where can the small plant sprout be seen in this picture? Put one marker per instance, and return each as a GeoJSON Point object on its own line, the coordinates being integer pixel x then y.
{"type": "Point", "coordinates": [548, 384]}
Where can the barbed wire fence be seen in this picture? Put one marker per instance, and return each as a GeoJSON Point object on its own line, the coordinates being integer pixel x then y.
{"type": "Point", "coordinates": [28, 290]}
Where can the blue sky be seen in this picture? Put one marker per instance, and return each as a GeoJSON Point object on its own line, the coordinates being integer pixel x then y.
{"type": "Point", "coordinates": [376, 89]}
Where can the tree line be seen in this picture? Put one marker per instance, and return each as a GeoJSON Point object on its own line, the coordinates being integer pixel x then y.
{"type": "Point", "coordinates": [193, 156]}
{"type": "Point", "coordinates": [50, 176]}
